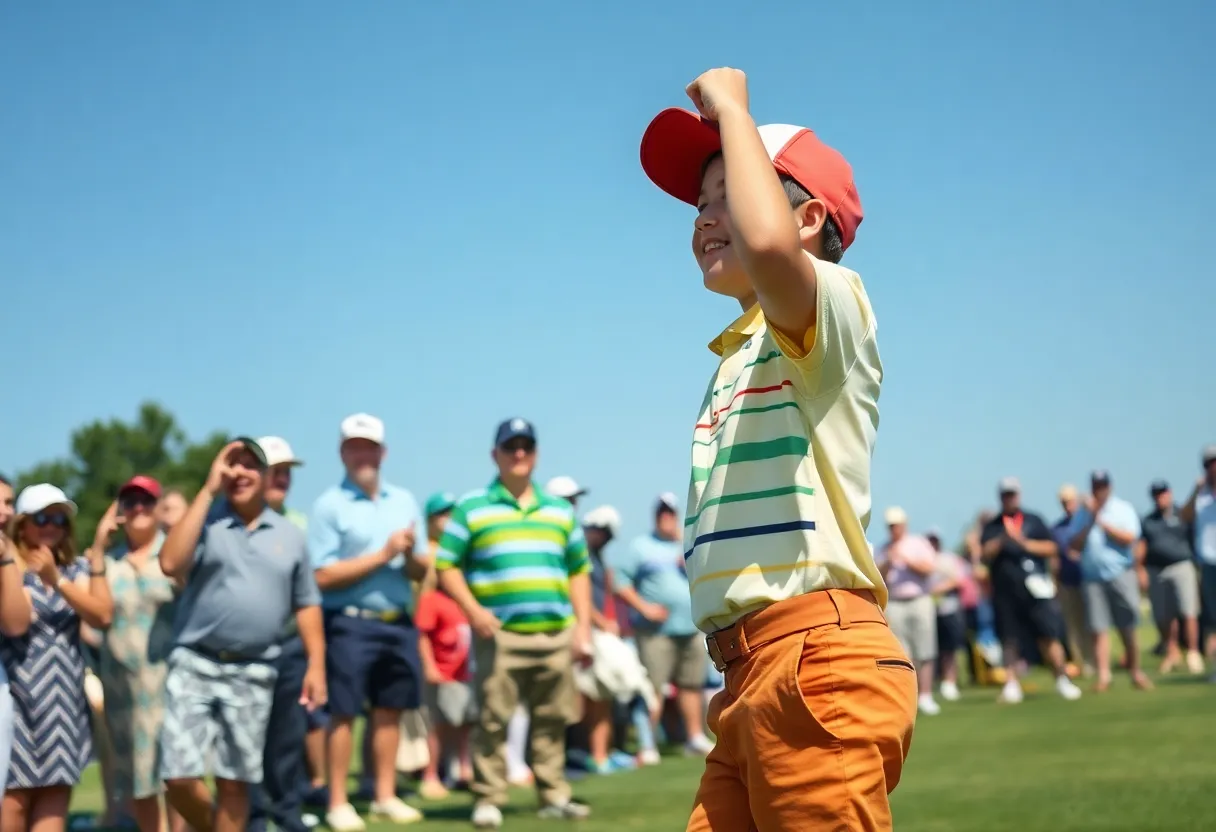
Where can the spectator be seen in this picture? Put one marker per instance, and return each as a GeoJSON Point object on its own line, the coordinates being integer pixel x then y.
{"type": "Point", "coordinates": [280, 796]}
{"type": "Point", "coordinates": [15, 615]}
{"type": "Point", "coordinates": [1072, 602]}
{"type": "Point", "coordinates": [523, 633]}
{"type": "Point", "coordinates": [171, 508]}
{"type": "Point", "coordinates": [1200, 512]}
{"type": "Point", "coordinates": [949, 579]}
{"type": "Point", "coordinates": [650, 578]}
{"type": "Point", "coordinates": [907, 563]}
{"type": "Point", "coordinates": [1166, 549]}
{"type": "Point", "coordinates": [362, 540]}
{"type": "Point", "coordinates": [245, 570]}
{"type": "Point", "coordinates": [1018, 548]}
{"type": "Point", "coordinates": [132, 667]}
{"type": "Point", "coordinates": [1104, 532]}
{"type": "Point", "coordinates": [45, 666]}
{"type": "Point", "coordinates": [444, 645]}
{"type": "Point", "coordinates": [567, 488]}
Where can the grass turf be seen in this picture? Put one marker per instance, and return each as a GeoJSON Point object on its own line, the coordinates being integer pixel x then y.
{"type": "Point", "coordinates": [1125, 760]}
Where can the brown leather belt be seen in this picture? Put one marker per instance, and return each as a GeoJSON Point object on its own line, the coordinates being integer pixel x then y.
{"type": "Point", "coordinates": [804, 612]}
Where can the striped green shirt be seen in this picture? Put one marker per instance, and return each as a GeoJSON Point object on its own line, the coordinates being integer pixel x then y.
{"type": "Point", "coordinates": [518, 562]}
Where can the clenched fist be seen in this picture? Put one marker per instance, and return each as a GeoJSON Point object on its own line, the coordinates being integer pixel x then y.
{"type": "Point", "coordinates": [718, 90]}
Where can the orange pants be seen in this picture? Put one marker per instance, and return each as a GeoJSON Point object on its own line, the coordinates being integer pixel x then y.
{"type": "Point", "coordinates": [814, 723]}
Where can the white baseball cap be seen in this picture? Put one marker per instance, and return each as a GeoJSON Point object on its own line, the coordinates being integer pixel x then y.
{"type": "Point", "coordinates": [363, 426]}
{"type": "Point", "coordinates": [1009, 485]}
{"type": "Point", "coordinates": [895, 516]}
{"type": "Point", "coordinates": [603, 517]}
{"type": "Point", "coordinates": [565, 487]}
{"type": "Point", "coordinates": [40, 497]}
{"type": "Point", "coordinates": [278, 452]}
{"type": "Point", "coordinates": [668, 501]}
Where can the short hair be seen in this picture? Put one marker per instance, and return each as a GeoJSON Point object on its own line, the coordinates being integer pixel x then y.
{"type": "Point", "coordinates": [829, 237]}
{"type": "Point", "coordinates": [5, 481]}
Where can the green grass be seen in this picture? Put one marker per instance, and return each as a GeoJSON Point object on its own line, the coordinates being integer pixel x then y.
{"type": "Point", "coordinates": [1125, 760]}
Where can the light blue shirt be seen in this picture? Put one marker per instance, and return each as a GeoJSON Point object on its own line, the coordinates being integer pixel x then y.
{"type": "Point", "coordinates": [1205, 527]}
{"type": "Point", "coordinates": [654, 568]}
{"type": "Point", "coordinates": [345, 524]}
{"type": "Point", "coordinates": [1103, 559]}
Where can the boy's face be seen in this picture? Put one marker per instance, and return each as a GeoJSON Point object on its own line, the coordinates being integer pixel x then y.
{"type": "Point", "coordinates": [721, 268]}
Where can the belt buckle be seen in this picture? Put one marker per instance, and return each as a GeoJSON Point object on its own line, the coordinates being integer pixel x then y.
{"type": "Point", "coordinates": [387, 616]}
{"type": "Point", "coordinates": [715, 654]}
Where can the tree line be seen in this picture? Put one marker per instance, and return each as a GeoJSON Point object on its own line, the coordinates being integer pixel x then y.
{"type": "Point", "coordinates": [105, 454]}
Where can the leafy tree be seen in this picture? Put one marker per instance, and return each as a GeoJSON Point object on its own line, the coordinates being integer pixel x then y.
{"type": "Point", "coordinates": [107, 454]}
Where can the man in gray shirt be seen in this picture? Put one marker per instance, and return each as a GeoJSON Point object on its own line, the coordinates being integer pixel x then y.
{"type": "Point", "coordinates": [246, 571]}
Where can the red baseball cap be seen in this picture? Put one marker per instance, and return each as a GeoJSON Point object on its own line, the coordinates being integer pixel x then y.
{"type": "Point", "coordinates": [677, 143]}
{"type": "Point", "coordinates": [139, 482]}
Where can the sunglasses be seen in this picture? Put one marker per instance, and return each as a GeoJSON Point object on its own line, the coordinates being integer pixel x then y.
{"type": "Point", "coordinates": [49, 518]}
{"type": "Point", "coordinates": [514, 445]}
{"type": "Point", "coordinates": [138, 499]}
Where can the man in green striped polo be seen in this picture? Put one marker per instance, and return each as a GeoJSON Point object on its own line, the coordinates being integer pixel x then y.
{"type": "Point", "coordinates": [513, 557]}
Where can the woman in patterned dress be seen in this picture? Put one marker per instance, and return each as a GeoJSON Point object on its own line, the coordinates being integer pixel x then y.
{"type": "Point", "coordinates": [51, 739]}
{"type": "Point", "coordinates": [15, 614]}
{"type": "Point", "coordinates": [133, 653]}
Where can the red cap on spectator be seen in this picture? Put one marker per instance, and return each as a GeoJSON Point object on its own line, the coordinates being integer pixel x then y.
{"type": "Point", "coordinates": [677, 143]}
{"type": "Point", "coordinates": [141, 483]}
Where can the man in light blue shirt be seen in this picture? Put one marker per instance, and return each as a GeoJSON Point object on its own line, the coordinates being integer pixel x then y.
{"type": "Point", "coordinates": [650, 578]}
{"type": "Point", "coordinates": [361, 539]}
{"type": "Point", "coordinates": [1105, 532]}
{"type": "Point", "coordinates": [1200, 511]}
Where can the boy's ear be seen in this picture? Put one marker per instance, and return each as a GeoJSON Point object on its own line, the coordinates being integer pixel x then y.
{"type": "Point", "coordinates": [810, 216]}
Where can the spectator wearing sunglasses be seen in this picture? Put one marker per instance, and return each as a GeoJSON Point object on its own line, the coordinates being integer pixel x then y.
{"type": "Point", "coordinates": [134, 648]}
{"type": "Point", "coordinates": [51, 738]}
{"type": "Point", "coordinates": [14, 620]}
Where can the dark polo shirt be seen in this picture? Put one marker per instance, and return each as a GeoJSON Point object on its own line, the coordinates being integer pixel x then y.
{"type": "Point", "coordinates": [1167, 540]}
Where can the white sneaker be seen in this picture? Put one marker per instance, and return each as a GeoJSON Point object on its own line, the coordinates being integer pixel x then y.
{"type": "Point", "coordinates": [698, 746]}
{"type": "Point", "coordinates": [569, 810]}
{"type": "Point", "coordinates": [345, 819]}
{"type": "Point", "coordinates": [1066, 688]}
{"type": "Point", "coordinates": [310, 820]}
{"type": "Point", "coordinates": [649, 757]}
{"type": "Point", "coordinates": [927, 705]}
{"type": "Point", "coordinates": [1194, 663]}
{"type": "Point", "coordinates": [949, 692]}
{"type": "Point", "coordinates": [1011, 694]}
{"type": "Point", "coordinates": [486, 816]}
{"type": "Point", "coordinates": [394, 810]}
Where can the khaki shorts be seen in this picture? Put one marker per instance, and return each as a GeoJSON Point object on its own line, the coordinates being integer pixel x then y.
{"type": "Point", "coordinates": [679, 660]}
{"type": "Point", "coordinates": [451, 703]}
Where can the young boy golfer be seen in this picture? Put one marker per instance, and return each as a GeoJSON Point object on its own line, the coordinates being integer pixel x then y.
{"type": "Point", "coordinates": [816, 718]}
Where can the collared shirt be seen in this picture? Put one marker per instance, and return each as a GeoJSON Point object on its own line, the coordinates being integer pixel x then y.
{"type": "Point", "coordinates": [654, 568]}
{"type": "Point", "coordinates": [1103, 559]}
{"type": "Point", "coordinates": [779, 500]}
{"type": "Point", "coordinates": [244, 584]}
{"type": "Point", "coordinates": [1205, 526]}
{"type": "Point", "coordinates": [517, 560]}
{"type": "Point", "coordinates": [345, 523]}
{"type": "Point", "coordinates": [300, 519]}
{"type": "Point", "coordinates": [1070, 570]}
{"type": "Point", "coordinates": [903, 582]}
{"type": "Point", "coordinates": [1167, 540]}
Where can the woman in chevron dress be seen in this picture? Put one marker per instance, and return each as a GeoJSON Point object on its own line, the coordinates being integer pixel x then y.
{"type": "Point", "coordinates": [51, 738]}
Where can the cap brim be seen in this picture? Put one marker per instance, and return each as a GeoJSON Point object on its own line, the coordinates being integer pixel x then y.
{"type": "Point", "coordinates": [254, 448]}
{"type": "Point", "coordinates": [674, 149]}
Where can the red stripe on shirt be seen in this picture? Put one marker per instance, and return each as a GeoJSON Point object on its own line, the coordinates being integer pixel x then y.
{"type": "Point", "coordinates": [714, 418]}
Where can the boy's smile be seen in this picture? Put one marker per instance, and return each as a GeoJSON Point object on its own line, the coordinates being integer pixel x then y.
{"type": "Point", "coordinates": [711, 237]}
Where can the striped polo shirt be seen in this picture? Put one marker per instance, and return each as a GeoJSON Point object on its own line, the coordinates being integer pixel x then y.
{"type": "Point", "coordinates": [517, 561]}
{"type": "Point", "coordinates": [779, 500]}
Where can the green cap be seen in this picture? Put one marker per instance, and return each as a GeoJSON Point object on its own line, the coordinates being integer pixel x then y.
{"type": "Point", "coordinates": [439, 502]}
{"type": "Point", "coordinates": [254, 448]}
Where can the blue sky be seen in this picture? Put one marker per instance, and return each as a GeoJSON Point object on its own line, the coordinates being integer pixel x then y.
{"type": "Point", "coordinates": [270, 215]}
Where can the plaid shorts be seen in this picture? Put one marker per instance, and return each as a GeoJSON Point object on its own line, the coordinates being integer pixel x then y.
{"type": "Point", "coordinates": [215, 717]}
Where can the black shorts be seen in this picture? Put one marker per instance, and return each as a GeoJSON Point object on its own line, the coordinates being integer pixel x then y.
{"type": "Point", "coordinates": [1020, 615]}
{"type": "Point", "coordinates": [371, 662]}
{"type": "Point", "coordinates": [951, 632]}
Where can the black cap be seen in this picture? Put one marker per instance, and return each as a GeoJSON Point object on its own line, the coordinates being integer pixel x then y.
{"type": "Point", "coordinates": [515, 428]}
{"type": "Point", "coordinates": [1158, 487]}
{"type": "Point", "coordinates": [1100, 477]}
{"type": "Point", "coordinates": [254, 448]}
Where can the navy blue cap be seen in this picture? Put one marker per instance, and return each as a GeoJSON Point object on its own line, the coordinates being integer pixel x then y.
{"type": "Point", "coordinates": [1100, 477]}
{"type": "Point", "coordinates": [516, 428]}
{"type": "Point", "coordinates": [1158, 487]}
